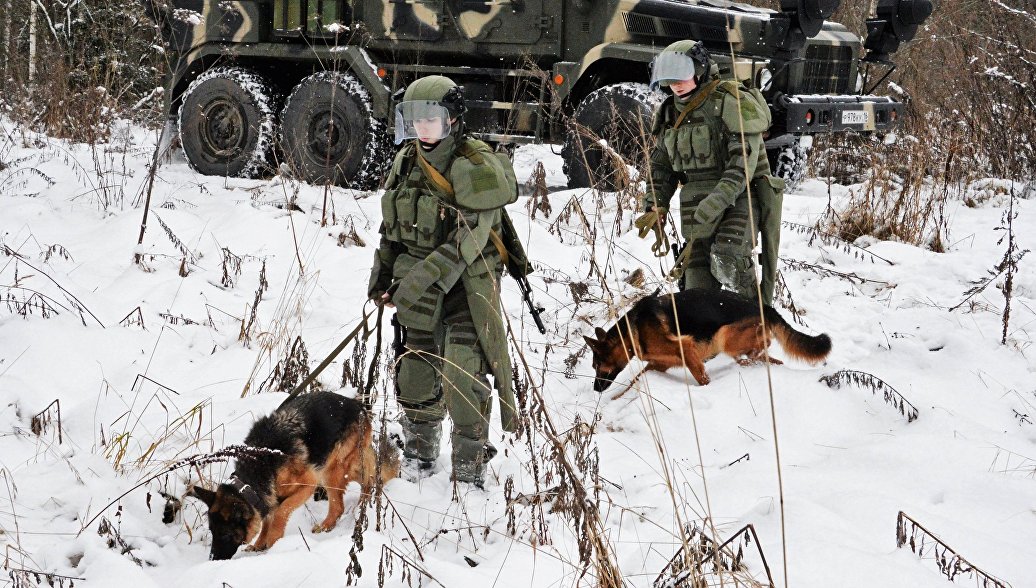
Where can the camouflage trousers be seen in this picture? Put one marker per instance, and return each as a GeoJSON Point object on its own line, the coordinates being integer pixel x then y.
{"type": "Point", "coordinates": [445, 371]}
{"type": "Point", "coordinates": [724, 260]}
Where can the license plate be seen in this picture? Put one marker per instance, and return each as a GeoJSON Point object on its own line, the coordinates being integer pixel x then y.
{"type": "Point", "coordinates": [854, 117]}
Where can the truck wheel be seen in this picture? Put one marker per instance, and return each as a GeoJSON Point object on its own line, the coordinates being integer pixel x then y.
{"type": "Point", "coordinates": [228, 123]}
{"type": "Point", "coordinates": [620, 115]}
{"type": "Point", "coordinates": [789, 162]}
{"type": "Point", "coordinates": [329, 132]}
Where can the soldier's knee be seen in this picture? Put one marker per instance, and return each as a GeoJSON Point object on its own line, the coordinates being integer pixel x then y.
{"type": "Point", "coordinates": [731, 265]}
{"type": "Point", "coordinates": [417, 377]}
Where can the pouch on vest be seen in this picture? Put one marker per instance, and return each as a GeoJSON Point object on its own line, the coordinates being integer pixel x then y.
{"type": "Point", "coordinates": [701, 142]}
{"type": "Point", "coordinates": [428, 221]}
{"type": "Point", "coordinates": [389, 222]}
{"type": "Point", "coordinates": [675, 150]}
{"type": "Point", "coordinates": [405, 204]}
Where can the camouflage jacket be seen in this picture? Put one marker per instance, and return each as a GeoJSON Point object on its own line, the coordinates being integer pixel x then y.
{"type": "Point", "coordinates": [441, 211]}
{"type": "Point", "coordinates": [702, 148]}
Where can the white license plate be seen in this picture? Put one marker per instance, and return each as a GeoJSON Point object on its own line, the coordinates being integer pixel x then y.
{"type": "Point", "coordinates": [854, 117]}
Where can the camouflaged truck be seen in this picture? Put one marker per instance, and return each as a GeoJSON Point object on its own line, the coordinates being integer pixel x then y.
{"type": "Point", "coordinates": [311, 83]}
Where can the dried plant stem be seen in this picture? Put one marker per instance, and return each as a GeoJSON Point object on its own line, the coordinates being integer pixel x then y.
{"type": "Point", "coordinates": [953, 566]}
{"type": "Point", "coordinates": [592, 526]}
{"type": "Point", "coordinates": [858, 378]}
{"type": "Point", "coordinates": [762, 319]}
{"type": "Point", "coordinates": [81, 306]}
{"type": "Point", "coordinates": [629, 386]}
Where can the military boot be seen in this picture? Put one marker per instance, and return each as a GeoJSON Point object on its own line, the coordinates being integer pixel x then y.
{"type": "Point", "coordinates": [420, 448]}
{"type": "Point", "coordinates": [470, 457]}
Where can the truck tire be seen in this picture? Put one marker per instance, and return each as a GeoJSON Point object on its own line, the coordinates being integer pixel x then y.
{"type": "Point", "coordinates": [329, 132]}
{"type": "Point", "coordinates": [228, 124]}
{"type": "Point", "coordinates": [790, 162]}
{"type": "Point", "coordinates": [619, 114]}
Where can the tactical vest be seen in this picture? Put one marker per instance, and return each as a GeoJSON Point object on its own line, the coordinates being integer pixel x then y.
{"type": "Point", "coordinates": [696, 139]}
{"type": "Point", "coordinates": [419, 211]}
{"type": "Point", "coordinates": [414, 213]}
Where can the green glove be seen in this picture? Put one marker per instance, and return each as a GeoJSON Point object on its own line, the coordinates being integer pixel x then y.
{"type": "Point", "coordinates": [418, 300]}
{"type": "Point", "coordinates": [711, 209]}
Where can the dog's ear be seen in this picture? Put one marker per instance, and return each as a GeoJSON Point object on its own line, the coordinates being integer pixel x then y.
{"type": "Point", "coordinates": [592, 343]}
{"type": "Point", "coordinates": [206, 496]}
{"type": "Point", "coordinates": [601, 334]}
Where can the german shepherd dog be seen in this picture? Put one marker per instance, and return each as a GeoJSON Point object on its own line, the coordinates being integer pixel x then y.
{"type": "Point", "coordinates": [316, 439]}
{"type": "Point", "coordinates": [710, 322]}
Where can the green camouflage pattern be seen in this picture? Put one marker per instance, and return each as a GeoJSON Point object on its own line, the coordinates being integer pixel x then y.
{"type": "Point", "coordinates": [438, 254]}
{"type": "Point", "coordinates": [488, 47]}
{"type": "Point", "coordinates": [706, 158]}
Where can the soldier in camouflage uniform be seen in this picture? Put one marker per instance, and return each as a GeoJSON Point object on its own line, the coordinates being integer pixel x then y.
{"type": "Point", "coordinates": [698, 132]}
{"type": "Point", "coordinates": [438, 265]}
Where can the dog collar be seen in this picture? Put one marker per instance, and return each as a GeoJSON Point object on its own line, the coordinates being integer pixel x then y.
{"type": "Point", "coordinates": [249, 494]}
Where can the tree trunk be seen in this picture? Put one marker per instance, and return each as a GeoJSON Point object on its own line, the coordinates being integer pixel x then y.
{"type": "Point", "coordinates": [5, 49]}
{"type": "Point", "coordinates": [32, 43]}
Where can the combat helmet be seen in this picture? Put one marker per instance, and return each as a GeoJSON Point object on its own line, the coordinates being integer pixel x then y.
{"type": "Point", "coordinates": [679, 61]}
{"type": "Point", "coordinates": [427, 99]}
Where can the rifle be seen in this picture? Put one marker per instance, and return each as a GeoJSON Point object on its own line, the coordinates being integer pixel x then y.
{"type": "Point", "coordinates": [523, 285]}
{"type": "Point", "coordinates": [398, 340]}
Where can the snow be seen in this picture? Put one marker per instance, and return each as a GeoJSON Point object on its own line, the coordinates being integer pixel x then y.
{"type": "Point", "coordinates": [966, 468]}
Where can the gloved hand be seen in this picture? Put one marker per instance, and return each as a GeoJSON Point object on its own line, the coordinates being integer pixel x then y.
{"type": "Point", "coordinates": [418, 300]}
{"type": "Point", "coordinates": [650, 220]}
{"type": "Point", "coordinates": [654, 220]}
{"type": "Point", "coordinates": [710, 210]}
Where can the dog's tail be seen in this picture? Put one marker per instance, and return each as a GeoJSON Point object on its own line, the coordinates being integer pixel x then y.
{"type": "Point", "coordinates": [808, 348]}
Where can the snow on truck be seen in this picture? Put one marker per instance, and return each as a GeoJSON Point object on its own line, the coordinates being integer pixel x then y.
{"type": "Point", "coordinates": [311, 83]}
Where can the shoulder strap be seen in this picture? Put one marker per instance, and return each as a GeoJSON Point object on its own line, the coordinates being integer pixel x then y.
{"type": "Point", "coordinates": [731, 87]}
{"type": "Point", "coordinates": [499, 244]}
{"type": "Point", "coordinates": [399, 172]}
{"type": "Point", "coordinates": [697, 101]}
{"type": "Point", "coordinates": [438, 180]}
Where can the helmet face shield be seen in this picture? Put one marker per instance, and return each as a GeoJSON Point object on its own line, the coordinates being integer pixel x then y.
{"type": "Point", "coordinates": [426, 120]}
{"type": "Point", "coordinates": [669, 67]}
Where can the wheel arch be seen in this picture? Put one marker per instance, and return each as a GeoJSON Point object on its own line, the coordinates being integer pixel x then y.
{"type": "Point", "coordinates": [604, 65]}
{"type": "Point", "coordinates": [271, 65]}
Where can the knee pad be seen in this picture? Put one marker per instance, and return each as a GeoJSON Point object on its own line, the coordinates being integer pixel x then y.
{"type": "Point", "coordinates": [732, 267]}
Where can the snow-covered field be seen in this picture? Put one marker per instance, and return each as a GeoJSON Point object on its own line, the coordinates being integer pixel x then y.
{"type": "Point", "coordinates": [169, 381]}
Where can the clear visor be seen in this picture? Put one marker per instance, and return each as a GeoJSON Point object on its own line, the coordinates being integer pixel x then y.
{"type": "Point", "coordinates": [421, 119]}
{"type": "Point", "coordinates": [669, 67]}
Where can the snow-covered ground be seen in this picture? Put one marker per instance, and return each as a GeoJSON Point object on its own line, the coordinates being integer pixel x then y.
{"type": "Point", "coordinates": [170, 380]}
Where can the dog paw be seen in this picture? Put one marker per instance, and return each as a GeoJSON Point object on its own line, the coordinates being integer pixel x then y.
{"type": "Point", "coordinates": [256, 547]}
{"type": "Point", "coordinates": [704, 380]}
{"type": "Point", "coordinates": [323, 527]}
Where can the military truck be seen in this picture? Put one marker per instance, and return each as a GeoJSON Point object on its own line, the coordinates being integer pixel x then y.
{"type": "Point", "coordinates": [312, 83]}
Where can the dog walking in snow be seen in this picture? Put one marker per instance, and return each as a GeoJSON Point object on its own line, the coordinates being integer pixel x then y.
{"type": "Point", "coordinates": [316, 439]}
{"type": "Point", "coordinates": [710, 322]}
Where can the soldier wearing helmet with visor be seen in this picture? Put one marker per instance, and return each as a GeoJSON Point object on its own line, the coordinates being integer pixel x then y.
{"type": "Point", "coordinates": [709, 144]}
{"type": "Point", "coordinates": [438, 266]}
